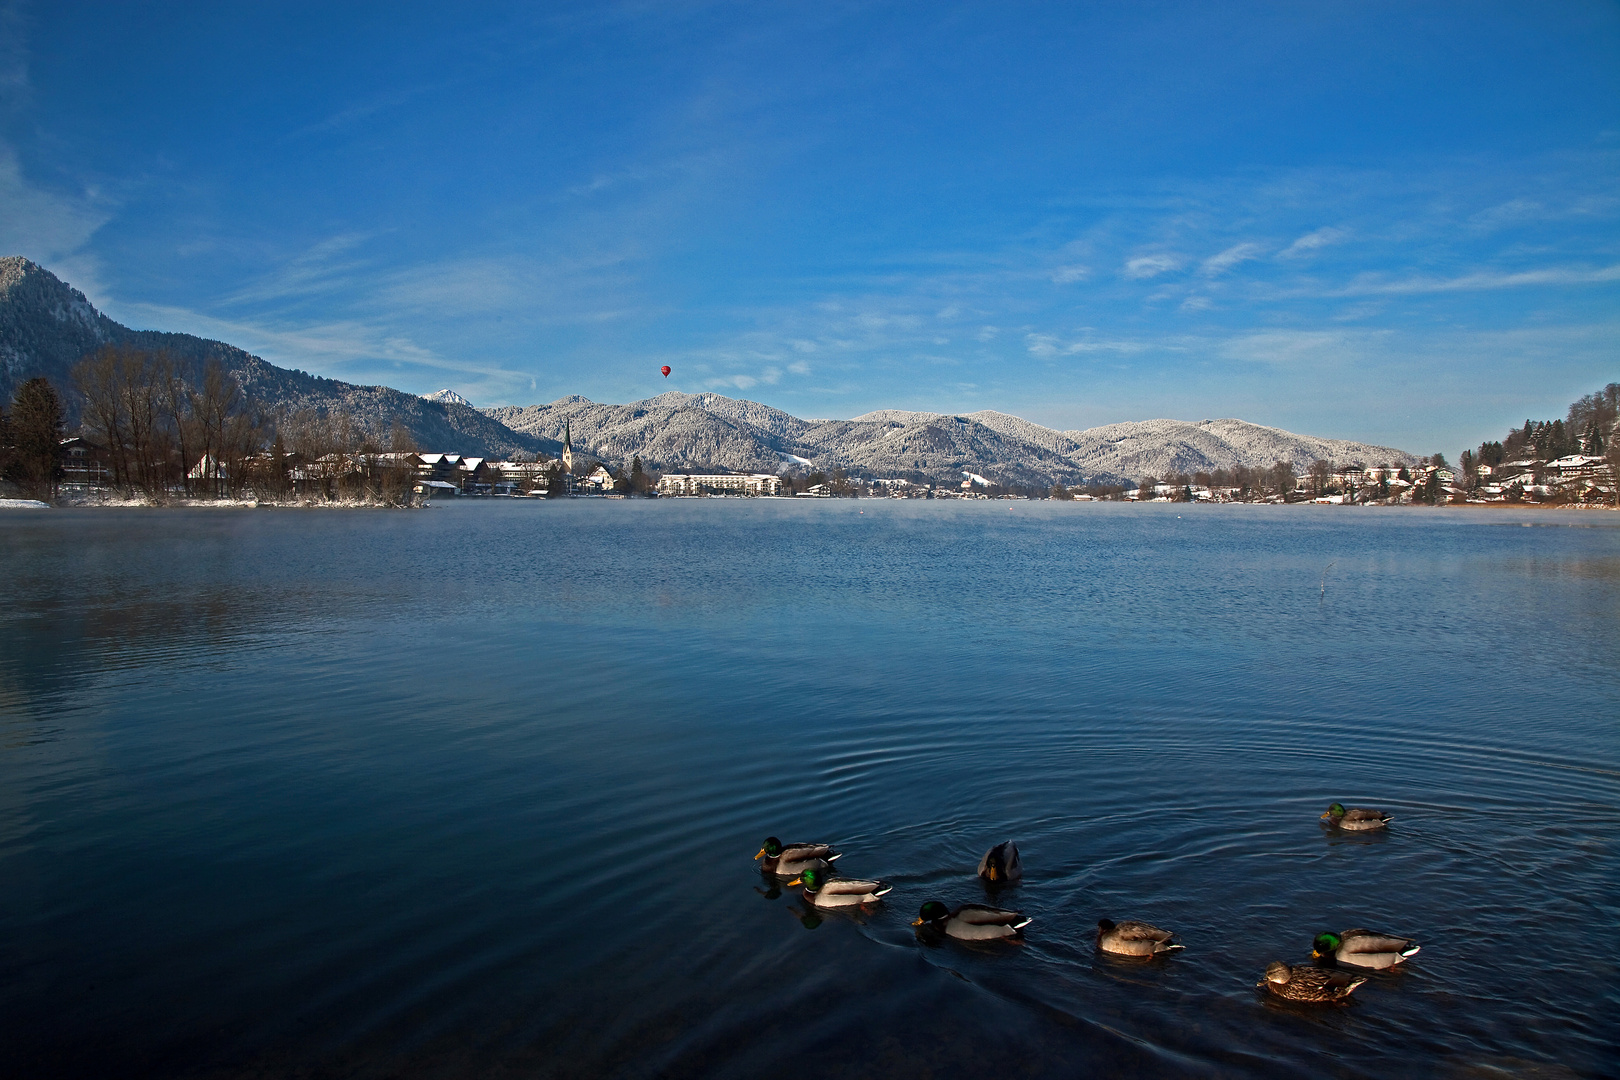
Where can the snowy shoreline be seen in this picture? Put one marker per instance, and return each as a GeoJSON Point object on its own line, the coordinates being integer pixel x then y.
{"type": "Point", "coordinates": [355, 504]}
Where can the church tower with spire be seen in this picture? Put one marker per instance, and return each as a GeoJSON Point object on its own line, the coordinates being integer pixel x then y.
{"type": "Point", "coordinates": [568, 449]}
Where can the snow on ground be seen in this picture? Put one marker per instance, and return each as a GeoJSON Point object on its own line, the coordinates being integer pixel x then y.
{"type": "Point", "coordinates": [23, 504]}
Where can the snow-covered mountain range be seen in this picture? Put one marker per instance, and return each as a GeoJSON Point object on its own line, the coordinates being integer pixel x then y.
{"type": "Point", "coordinates": [695, 430]}
{"type": "Point", "coordinates": [46, 327]}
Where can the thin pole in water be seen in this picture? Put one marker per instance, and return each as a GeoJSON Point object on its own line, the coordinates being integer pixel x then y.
{"type": "Point", "coordinates": [1325, 570]}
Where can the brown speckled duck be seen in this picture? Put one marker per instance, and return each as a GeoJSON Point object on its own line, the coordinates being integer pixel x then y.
{"type": "Point", "coordinates": [1311, 985]}
{"type": "Point", "coordinates": [1355, 819]}
{"type": "Point", "coordinates": [1134, 938]}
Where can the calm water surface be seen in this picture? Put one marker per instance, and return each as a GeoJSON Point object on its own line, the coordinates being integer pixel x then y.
{"type": "Point", "coordinates": [474, 791]}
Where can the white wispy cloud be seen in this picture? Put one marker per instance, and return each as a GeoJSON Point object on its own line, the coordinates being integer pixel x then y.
{"type": "Point", "coordinates": [1148, 266]}
{"type": "Point", "coordinates": [1049, 346]}
{"type": "Point", "coordinates": [328, 266]}
{"type": "Point", "coordinates": [1313, 241]}
{"type": "Point", "coordinates": [40, 224]}
{"type": "Point", "coordinates": [1296, 348]}
{"type": "Point", "coordinates": [1511, 212]}
{"type": "Point", "coordinates": [51, 228]}
{"type": "Point", "coordinates": [1374, 285]}
{"type": "Point", "coordinates": [330, 346]}
{"type": "Point", "coordinates": [1232, 256]}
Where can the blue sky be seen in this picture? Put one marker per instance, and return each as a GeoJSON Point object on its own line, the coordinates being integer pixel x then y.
{"type": "Point", "coordinates": [1396, 222]}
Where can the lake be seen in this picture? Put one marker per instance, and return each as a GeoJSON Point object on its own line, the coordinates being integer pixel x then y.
{"type": "Point", "coordinates": [475, 790]}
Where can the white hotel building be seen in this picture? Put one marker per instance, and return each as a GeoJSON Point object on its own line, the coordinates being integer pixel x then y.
{"type": "Point", "coordinates": [697, 484]}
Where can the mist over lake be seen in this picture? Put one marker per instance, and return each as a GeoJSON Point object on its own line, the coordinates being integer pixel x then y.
{"type": "Point", "coordinates": [474, 790]}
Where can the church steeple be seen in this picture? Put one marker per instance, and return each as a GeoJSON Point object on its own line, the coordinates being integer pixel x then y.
{"type": "Point", "coordinates": [568, 448]}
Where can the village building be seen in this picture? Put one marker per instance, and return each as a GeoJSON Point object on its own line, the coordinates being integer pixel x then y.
{"type": "Point", "coordinates": [599, 481]}
{"type": "Point", "coordinates": [518, 477]}
{"type": "Point", "coordinates": [427, 490]}
{"type": "Point", "coordinates": [677, 484]}
{"type": "Point", "coordinates": [84, 466]}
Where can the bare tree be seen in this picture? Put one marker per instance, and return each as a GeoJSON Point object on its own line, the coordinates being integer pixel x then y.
{"type": "Point", "coordinates": [1319, 472]}
{"type": "Point", "coordinates": [1281, 478]}
{"type": "Point", "coordinates": [101, 379]}
{"type": "Point", "coordinates": [1611, 456]}
{"type": "Point", "coordinates": [176, 402]}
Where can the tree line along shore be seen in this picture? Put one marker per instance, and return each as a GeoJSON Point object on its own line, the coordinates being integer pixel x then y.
{"type": "Point", "coordinates": [158, 431]}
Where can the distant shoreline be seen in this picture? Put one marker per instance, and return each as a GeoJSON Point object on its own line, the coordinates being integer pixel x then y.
{"type": "Point", "coordinates": [312, 504]}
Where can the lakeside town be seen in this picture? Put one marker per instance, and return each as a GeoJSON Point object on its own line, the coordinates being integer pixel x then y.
{"type": "Point", "coordinates": [205, 442]}
{"type": "Point", "coordinates": [415, 478]}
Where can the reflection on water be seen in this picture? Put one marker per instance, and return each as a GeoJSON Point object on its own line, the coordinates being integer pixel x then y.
{"type": "Point", "coordinates": [476, 789]}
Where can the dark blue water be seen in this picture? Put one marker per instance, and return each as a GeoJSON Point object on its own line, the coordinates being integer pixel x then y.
{"type": "Point", "coordinates": [474, 791]}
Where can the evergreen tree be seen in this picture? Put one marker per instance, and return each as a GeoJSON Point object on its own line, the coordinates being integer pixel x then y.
{"type": "Point", "coordinates": [36, 430]}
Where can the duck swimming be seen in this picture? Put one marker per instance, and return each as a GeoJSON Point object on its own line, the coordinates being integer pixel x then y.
{"type": "Point", "coordinates": [1362, 948]}
{"type": "Point", "coordinates": [791, 860]}
{"type": "Point", "coordinates": [1307, 984]}
{"type": "Point", "coordinates": [1134, 938]}
{"type": "Point", "coordinates": [1354, 819]}
{"type": "Point", "coordinates": [822, 891]}
{"type": "Point", "coordinates": [1001, 864]}
{"type": "Point", "coordinates": [971, 922]}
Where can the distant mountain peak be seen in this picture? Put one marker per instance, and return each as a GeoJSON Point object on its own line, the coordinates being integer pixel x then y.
{"type": "Point", "coordinates": [447, 397]}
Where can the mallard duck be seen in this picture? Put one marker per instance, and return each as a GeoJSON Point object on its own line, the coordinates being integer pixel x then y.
{"type": "Point", "coordinates": [1001, 864]}
{"type": "Point", "coordinates": [823, 891]}
{"type": "Point", "coordinates": [1355, 820]}
{"type": "Point", "coordinates": [1134, 938]}
{"type": "Point", "coordinates": [791, 860]}
{"type": "Point", "coordinates": [1362, 948]}
{"type": "Point", "coordinates": [1309, 984]}
{"type": "Point", "coordinates": [970, 922]}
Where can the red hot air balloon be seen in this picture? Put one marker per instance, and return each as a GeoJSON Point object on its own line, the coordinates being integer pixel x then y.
{"type": "Point", "coordinates": [665, 370]}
